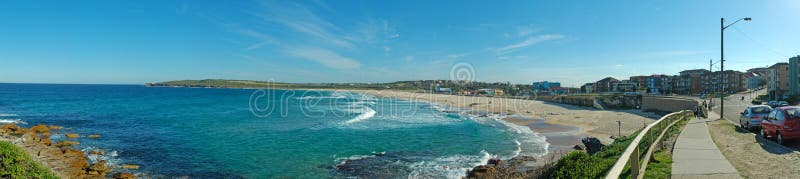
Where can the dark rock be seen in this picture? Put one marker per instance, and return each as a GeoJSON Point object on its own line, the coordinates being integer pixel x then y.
{"type": "Point", "coordinates": [593, 145]}
{"type": "Point", "coordinates": [124, 176]}
{"type": "Point", "coordinates": [494, 161]}
{"type": "Point", "coordinates": [579, 147]}
{"type": "Point", "coordinates": [516, 167]}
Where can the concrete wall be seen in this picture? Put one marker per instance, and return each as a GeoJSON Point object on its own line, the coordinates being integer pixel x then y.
{"type": "Point", "coordinates": [667, 104]}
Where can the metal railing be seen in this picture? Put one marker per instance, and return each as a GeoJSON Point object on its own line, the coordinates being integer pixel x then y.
{"type": "Point", "coordinates": [646, 141]}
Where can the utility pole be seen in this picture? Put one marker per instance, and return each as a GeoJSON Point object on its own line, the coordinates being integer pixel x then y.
{"type": "Point", "coordinates": [711, 72]}
{"type": "Point", "coordinates": [721, 66]}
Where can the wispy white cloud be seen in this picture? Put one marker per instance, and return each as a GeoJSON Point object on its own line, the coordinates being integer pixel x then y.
{"type": "Point", "coordinates": [301, 19]}
{"type": "Point", "coordinates": [457, 56]}
{"type": "Point", "coordinates": [523, 31]}
{"type": "Point", "coordinates": [528, 42]}
{"type": "Point", "coordinates": [325, 57]}
{"type": "Point", "coordinates": [263, 39]}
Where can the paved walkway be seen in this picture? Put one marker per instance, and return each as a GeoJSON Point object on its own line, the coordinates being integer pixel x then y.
{"type": "Point", "coordinates": [696, 156]}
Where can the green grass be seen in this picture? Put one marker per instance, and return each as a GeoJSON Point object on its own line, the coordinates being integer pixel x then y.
{"type": "Point", "coordinates": [579, 164]}
{"type": "Point", "coordinates": [15, 163]}
{"type": "Point", "coordinates": [660, 166]}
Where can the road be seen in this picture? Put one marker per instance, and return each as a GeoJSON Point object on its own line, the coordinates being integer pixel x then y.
{"type": "Point", "coordinates": [735, 105]}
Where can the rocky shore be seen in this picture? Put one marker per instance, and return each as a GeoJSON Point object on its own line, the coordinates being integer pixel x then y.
{"type": "Point", "coordinates": [60, 157]}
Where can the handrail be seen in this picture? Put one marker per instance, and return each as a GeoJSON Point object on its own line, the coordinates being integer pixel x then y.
{"type": "Point", "coordinates": [628, 156]}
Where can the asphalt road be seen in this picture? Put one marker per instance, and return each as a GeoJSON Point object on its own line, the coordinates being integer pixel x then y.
{"type": "Point", "coordinates": [735, 105]}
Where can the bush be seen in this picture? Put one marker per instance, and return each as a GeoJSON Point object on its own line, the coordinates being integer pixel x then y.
{"type": "Point", "coordinates": [579, 164]}
{"type": "Point", "coordinates": [15, 163]}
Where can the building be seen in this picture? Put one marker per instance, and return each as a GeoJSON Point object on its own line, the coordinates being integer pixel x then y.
{"type": "Point", "coordinates": [441, 90]}
{"type": "Point", "coordinates": [588, 88]}
{"type": "Point", "coordinates": [655, 84]}
{"type": "Point", "coordinates": [761, 71]}
{"type": "Point", "coordinates": [498, 92]}
{"type": "Point", "coordinates": [605, 85]}
{"type": "Point", "coordinates": [544, 86]}
{"type": "Point", "coordinates": [751, 80]}
{"type": "Point", "coordinates": [625, 86]}
{"type": "Point", "coordinates": [777, 80]}
{"type": "Point", "coordinates": [690, 82]}
{"type": "Point", "coordinates": [794, 75]}
{"type": "Point", "coordinates": [639, 80]}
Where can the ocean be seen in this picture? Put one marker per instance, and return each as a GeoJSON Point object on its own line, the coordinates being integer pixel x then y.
{"type": "Point", "coordinates": [248, 133]}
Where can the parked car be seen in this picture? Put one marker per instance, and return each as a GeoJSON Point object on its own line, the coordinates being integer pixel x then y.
{"type": "Point", "coordinates": [783, 123]}
{"type": "Point", "coordinates": [752, 116]}
{"type": "Point", "coordinates": [783, 103]}
{"type": "Point", "coordinates": [772, 104]}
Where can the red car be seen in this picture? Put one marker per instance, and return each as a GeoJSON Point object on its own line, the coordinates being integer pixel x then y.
{"type": "Point", "coordinates": [782, 123]}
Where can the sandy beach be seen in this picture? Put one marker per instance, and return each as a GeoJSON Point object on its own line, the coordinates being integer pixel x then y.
{"type": "Point", "coordinates": [564, 125]}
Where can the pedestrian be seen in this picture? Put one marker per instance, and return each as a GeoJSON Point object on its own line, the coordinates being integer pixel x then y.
{"type": "Point", "coordinates": [696, 111]}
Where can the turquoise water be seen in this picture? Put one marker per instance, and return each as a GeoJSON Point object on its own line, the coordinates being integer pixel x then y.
{"type": "Point", "coordinates": [213, 133]}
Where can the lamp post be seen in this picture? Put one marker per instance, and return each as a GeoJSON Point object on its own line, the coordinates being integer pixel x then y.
{"type": "Point", "coordinates": [722, 61]}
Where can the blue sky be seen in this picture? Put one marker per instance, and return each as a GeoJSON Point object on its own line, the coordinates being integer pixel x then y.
{"type": "Point", "coordinates": [376, 41]}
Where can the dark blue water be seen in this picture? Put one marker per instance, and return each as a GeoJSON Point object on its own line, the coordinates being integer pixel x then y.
{"type": "Point", "coordinates": [206, 132]}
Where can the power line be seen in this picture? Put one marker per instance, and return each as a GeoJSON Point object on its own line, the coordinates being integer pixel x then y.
{"type": "Point", "coordinates": [759, 43]}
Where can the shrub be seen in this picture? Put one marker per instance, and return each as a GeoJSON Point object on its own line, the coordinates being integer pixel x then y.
{"type": "Point", "coordinates": [15, 163]}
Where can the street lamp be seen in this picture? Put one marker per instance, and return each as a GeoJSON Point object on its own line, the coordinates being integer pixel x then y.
{"type": "Point", "coordinates": [722, 61]}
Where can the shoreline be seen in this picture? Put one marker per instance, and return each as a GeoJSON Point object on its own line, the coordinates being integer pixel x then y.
{"type": "Point", "coordinates": [562, 124]}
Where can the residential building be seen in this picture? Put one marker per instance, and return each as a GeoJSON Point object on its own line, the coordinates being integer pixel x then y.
{"type": "Point", "coordinates": [605, 85]}
{"type": "Point", "coordinates": [794, 75]}
{"type": "Point", "coordinates": [751, 80]}
{"type": "Point", "coordinates": [625, 86]}
{"type": "Point", "coordinates": [777, 80]}
{"type": "Point", "coordinates": [639, 80]}
{"type": "Point", "coordinates": [659, 84]}
{"type": "Point", "coordinates": [588, 88]}
{"type": "Point", "coordinates": [690, 81]}
{"type": "Point", "coordinates": [544, 86]}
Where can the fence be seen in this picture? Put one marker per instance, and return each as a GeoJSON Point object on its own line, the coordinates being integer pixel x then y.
{"type": "Point", "coordinates": [633, 158]}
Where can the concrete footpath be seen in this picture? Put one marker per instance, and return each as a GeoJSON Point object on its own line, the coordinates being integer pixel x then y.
{"type": "Point", "coordinates": [696, 156]}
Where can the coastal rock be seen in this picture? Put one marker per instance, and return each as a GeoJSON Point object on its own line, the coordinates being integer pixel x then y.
{"type": "Point", "coordinates": [124, 176]}
{"type": "Point", "coordinates": [494, 161]}
{"type": "Point", "coordinates": [517, 167]}
{"type": "Point", "coordinates": [12, 129]}
{"type": "Point", "coordinates": [41, 128]}
{"type": "Point", "coordinates": [72, 153]}
{"type": "Point", "coordinates": [45, 139]}
{"type": "Point", "coordinates": [72, 135]}
{"type": "Point", "coordinates": [130, 166]}
{"type": "Point", "coordinates": [593, 145]}
{"type": "Point", "coordinates": [54, 127]}
{"type": "Point", "coordinates": [66, 143]}
{"type": "Point", "coordinates": [579, 147]}
{"type": "Point", "coordinates": [94, 136]}
{"type": "Point", "coordinates": [98, 168]}
{"type": "Point", "coordinates": [97, 152]}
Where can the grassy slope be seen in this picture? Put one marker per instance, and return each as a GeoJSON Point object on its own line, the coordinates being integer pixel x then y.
{"type": "Point", "coordinates": [15, 163]}
{"type": "Point", "coordinates": [579, 164]}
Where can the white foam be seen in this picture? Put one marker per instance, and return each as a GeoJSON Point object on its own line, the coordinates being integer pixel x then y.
{"type": "Point", "coordinates": [342, 160]}
{"type": "Point", "coordinates": [367, 113]}
{"type": "Point", "coordinates": [110, 156]}
{"type": "Point", "coordinates": [12, 121]}
{"type": "Point", "coordinates": [454, 166]}
{"type": "Point", "coordinates": [527, 137]}
{"type": "Point", "coordinates": [320, 97]}
{"type": "Point", "coordinates": [7, 115]}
